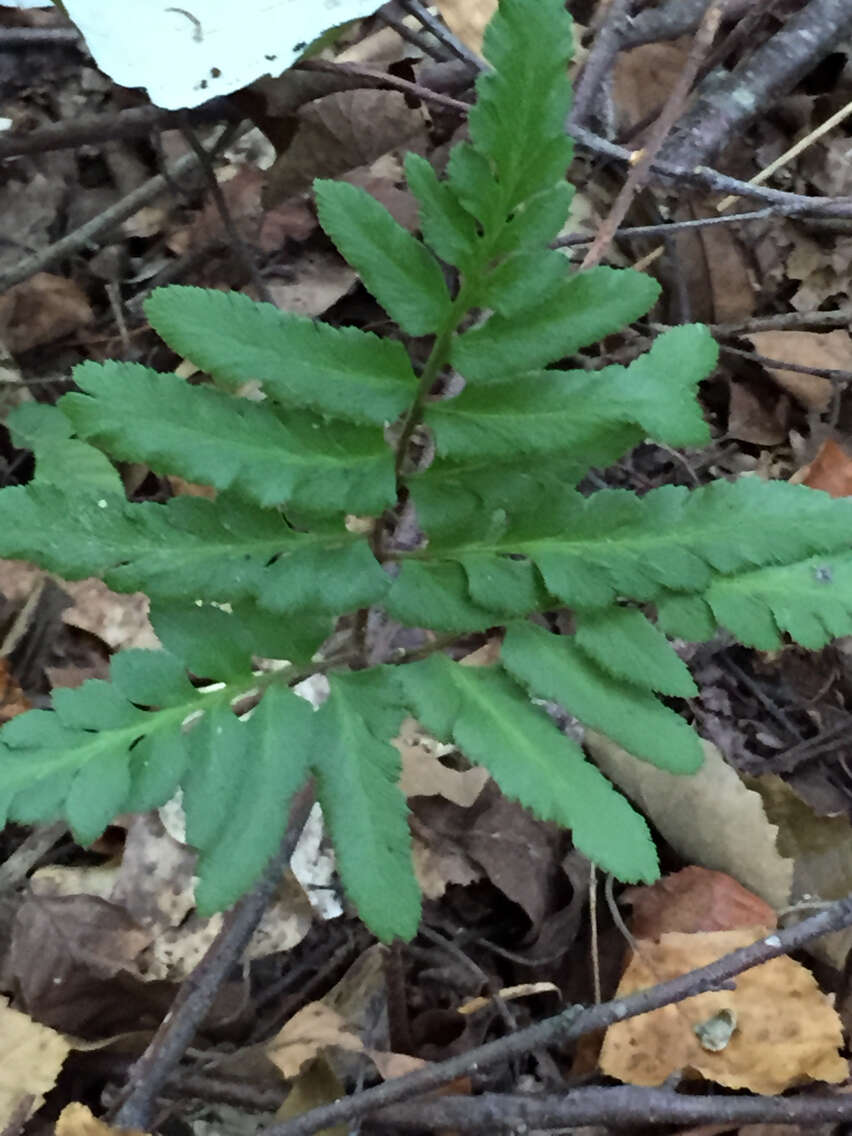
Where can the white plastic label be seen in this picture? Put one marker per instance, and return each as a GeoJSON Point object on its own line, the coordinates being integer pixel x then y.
{"type": "Point", "coordinates": [184, 56]}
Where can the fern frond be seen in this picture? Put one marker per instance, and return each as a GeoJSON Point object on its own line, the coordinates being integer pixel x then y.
{"type": "Point", "coordinates": [493, 723]}
{"type": "Point", "coordinates": [208, 436]}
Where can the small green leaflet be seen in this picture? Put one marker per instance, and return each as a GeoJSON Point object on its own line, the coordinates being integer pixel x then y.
{"type": "Point", "coordinates": [624, 643]}
{"type": "Point", "coordinates": [205, 435]}
{"type": "Point", "coordinates": [587, 307]}
{"type": "Point", "coordinates": [260, 781]}
{"type": "Point", "coordinates": [492, 722]}
{"type": "Point", "coordinates": [221, 550]}
{"type": "Point", "coordinates": [60, 459]}
{"type": "Point", "coordinates": [357, 773]}
{"type": "Point", "coordinates": [553, 668]}
{"type": "Point", "coordinates": [344, 371]}
{"type": "Point", "coordinates": [518, 120]}
{"type": "Point", "coordinates": [448, 229]}
{"type": "Point", "coordinates": [397, 268]}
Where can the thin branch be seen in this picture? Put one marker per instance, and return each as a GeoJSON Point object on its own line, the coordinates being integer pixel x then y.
{"type": "Point", "coordinates": [151, 1072]}
{"type": "Point", "coordinates": [728, 102]}
{"type": "Point", "coordinates": [131, 123]}
{"type": "Point", "coordinates": [570, 1024]}
{"type": "Point", "coordinates": [640, 171]}
{"type": "Point", "coordinates": [443, 34]}
{"type": "Point", "coordinates": [784, 321]}
{"type": "Point", "coordinates": [238, 245]}
{"type": "Point", "coordinates": [601, 57]}
{"type": "Point", "coordinates": [668, 228]}
{"type": "Point", "coordinates": [618, 1106]}
{"type": "Point", "coordinates": [670, 21]}
{"type": "Point", "coordinates": [423, 43]}
{"type": "Point", "coordinates": [833, 374]}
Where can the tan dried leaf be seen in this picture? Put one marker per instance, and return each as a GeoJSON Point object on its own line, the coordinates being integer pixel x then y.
{"type": "Point", "coordinates": [786, 1032]}
{"type": "Point", "coordinates": [822, 349]}
{"type": "Point", "coordinates": [710, 818]}
{"type": "Point", "coordinates": [31, 1056]}
{"type": "Point", "coordinates": [468, 19]}
{"type": "Point", "coordinates": [313, 1029]}
{"type": "Point", "coordinates": [76, 1119]}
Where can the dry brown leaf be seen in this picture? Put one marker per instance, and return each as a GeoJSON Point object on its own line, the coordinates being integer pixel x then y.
{"type": "Point", "coordinates": [824, 349]}
{"type": "Point", "coordinates": [436, 865]}
{"type": "Point", "coordinates": [750, 419]}
{"type": "Point", "coordinates": [42, 309]}
{"type": "Point", "coordinates": [314, 1028]}
{"type": "Point", "coordinates": [710, 818]}
{"type": "Point", "coordinates": [31, 1056]}
{"type": "Point", "coordinates": [77, 1120]}
{"type": "Point", "coordinates": [786, 1032]}
{"type": "Point", "coordinates": [831, 471]}
{"type": "Point", "coordinates": [13, 701]}
{"type": "Point", "coordinates": [820, 848]}
{"type": "Point", "coordinates": [643, 78]}
{"type": "Point", "coordinates": [468, 19]}
{"type": "Point", "coordinates": [340, 132]}
{"type": "Point", "coordinates": [317, 281]}
{"type": "Point", "coordinates": [692, 900]}
{"type": "Point", "coordinates": [424, 775]}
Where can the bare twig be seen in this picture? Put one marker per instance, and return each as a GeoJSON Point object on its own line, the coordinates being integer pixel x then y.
{"type": "Point", "coordinates": [237, 243]}
{"type": "Point", "coordinates": [131, 123]}
{"type": "Point", "coordinates": [669, 21]}
{"type": "Point", "coordinates": [640, 170]}
{"type": "Point", "coordinates": [428, 45]}
{"type": "Point", "coordinates": [13, 39]}
{"type": "Point", "coordinates": [727, 102]}
{"type": "Point", "coordinates": [618, 1106]}
{"type": "Point", "coordinates": [605, 48]}
{"type": "Point", "coordinates": [443, 34]}
{"type": "Point", "coordinates": [152, 1070]}
{"type": "Point", "coordinates": [784, 321]}
{"type": "Point", "coordinates": [571, 1024]}
{"type": "Point", "coordinates": [372, 77]}
{"type": "Point", "coordinates": [833, 374]}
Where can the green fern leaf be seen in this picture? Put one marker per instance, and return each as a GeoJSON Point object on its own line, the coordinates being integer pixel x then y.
{"type": "Point", "coordinates": [622, 642]}
{"type": "Point", "coordinates": [91, 756]}
{"type": "Point", "coordinates": [206, 435]}
{"type": "Point", "coordinates": [437, 596]}
{"type": "Point", "coordinates": [685, 617]}
{"type": "Point", "coordinates": [221, 550]}
{"type": "Point", "coordinates": [810, 601]}
{"type": "Point", "coordinates": [590, 551]}
{"type": "Point", "coordinates": [536, 222]}
{"type": "Point", "coordinates": [278, 738]}
{"type": "Point", "coordinates": [580, 414]}
{"type": "Point", "coordinates": [220, 642]}
{"type": "Point", "coordinates": [345, 372]}
{"type": "Point", "coordinates": [518, 120]}
{"type": "Point", "coordinates": [399, 271]}
{"type": "Point", "coordinates": [581, 311]}
{"type": "Point", "coordinates": [524, 279]}
{"type": "Point", "coordinates": [60, 460]}
{"type": "Point", "coordinates": [448, 229]}
{"type": "Point", "coordinates": [357, 774]}
{"type": "Point", "coordinates": [553, 668]}
{"type": "Point", "coordinates": [491, 720]}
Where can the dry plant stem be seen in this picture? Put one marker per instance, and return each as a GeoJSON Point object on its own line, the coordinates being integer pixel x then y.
{"type": "Point", "coordinates": [443, 34]}
{"type": "Point", "coordinates": [571, 1024]}
{"type": "Point", "coordinates": [601, 57]}
{"type": "Point", "coordinates": [238, 245]}
{"type": "Point", "coordinates": [15, 869]}
{"type": "Point", "coordinates": [618, 1106]}
{"type": "Point", "coordinates": [372, 77]}
{"type": "Point", "coordinates": [196, 995]}
{"type": "Point", "coordinates": [132, 123]}
{"type": "Point", "coordinates": [728, 102]}
{"type": "Point", "coordinates": [640, 171]}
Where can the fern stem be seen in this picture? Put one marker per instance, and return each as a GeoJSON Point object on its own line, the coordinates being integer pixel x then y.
{"type": "Point", "coordinates": [438, 358]}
